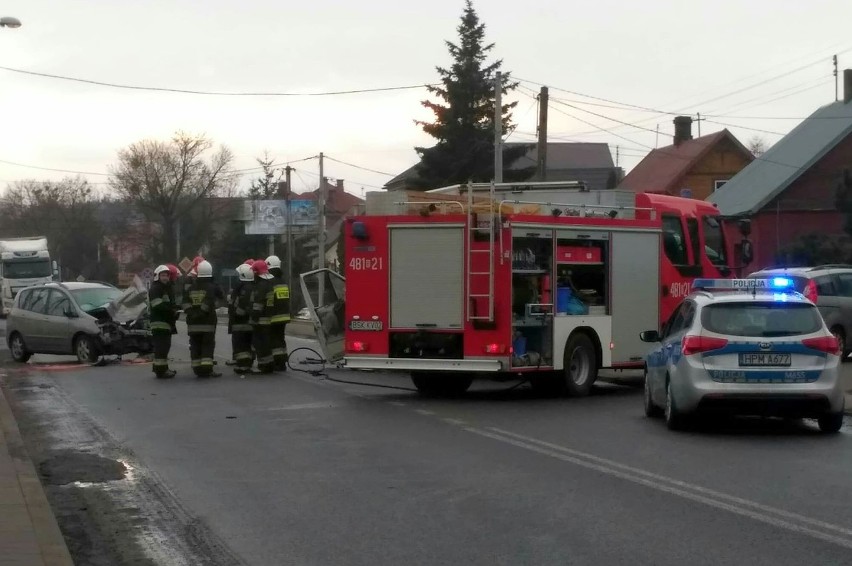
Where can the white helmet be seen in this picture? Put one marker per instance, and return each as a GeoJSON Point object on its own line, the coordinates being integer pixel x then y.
{"type": "Point", "coordinates": [160, 269]}
{"type": "Point", "coordinates": [245, 272]}
{"type": "Point", "coordinates": [205, 269]}
{"type": "Point", "coordinates": [273, 262]}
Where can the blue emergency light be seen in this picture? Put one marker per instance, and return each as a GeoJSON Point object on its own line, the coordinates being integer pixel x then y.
{"type": "Point", "coordinates": [771, 284]}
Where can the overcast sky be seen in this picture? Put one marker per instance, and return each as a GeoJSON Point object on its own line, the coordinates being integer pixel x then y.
{"type": "Point", "coordinates": [668, 55]}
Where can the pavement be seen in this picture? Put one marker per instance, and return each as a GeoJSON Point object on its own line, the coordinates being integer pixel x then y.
{"type": "Point", "coordinates": [29, 534]}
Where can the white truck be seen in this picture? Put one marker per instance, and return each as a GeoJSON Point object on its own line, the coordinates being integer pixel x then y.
{"type": "Point", "coordinates": [23, 262]}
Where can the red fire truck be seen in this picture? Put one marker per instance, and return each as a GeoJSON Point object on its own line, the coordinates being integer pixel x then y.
{"type": "Point", "coordinates": [546, 279]}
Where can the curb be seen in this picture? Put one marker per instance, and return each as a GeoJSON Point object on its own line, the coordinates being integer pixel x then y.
{"type": "Point", "coordinates": [51, 542]}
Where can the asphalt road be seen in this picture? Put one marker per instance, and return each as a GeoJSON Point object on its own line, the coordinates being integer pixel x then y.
{"type": "Point", "coordinates": [297, 469]}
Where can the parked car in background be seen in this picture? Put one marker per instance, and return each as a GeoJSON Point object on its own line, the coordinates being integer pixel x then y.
{"type": "Point", "coordinates": [87, 320]}
{"type": "Point", "coordinates": [744, 347]}
{"type": "Point", "coordinates": [829, 287]}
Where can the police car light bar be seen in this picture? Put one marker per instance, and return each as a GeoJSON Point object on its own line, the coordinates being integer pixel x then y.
{"type": "Point", "coordinates": [770, 284]}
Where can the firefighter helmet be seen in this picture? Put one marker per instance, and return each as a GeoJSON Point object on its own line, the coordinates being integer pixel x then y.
{"type": "Point", "coordinates": [195, 262]}
{"type": "Point", "coordinates": [260, 267]}
{"type": "Point", "coordinates": [248, 262]}
{"type": "Point", "coordinates": [204, 269]}
{"type": "Point", "coordinates": [173, 271]}
{"type": "Point", "coordinates": [245, 272]}
{"type": "Point", "coordinates": [160, 269]}
{"type": "Point", "coordinates": [273, 262]}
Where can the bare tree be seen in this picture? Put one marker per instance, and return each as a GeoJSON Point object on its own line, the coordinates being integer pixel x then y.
{"type": "Point", "coordinates": [758, 145]}
{"type": "Point", "coordinates": [168, 180]}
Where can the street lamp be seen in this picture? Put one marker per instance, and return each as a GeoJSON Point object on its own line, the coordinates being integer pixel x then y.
{"type": "Point", "coordinates": [8, 22]}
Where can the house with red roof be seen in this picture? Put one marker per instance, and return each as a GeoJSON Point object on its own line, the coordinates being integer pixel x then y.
{"type": "Point", "coordinates": [690, 167]}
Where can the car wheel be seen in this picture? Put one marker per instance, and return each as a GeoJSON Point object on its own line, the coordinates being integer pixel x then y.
{"type": "Point", "coordinates": [675, 420]}
{"type": "Point", "coordinates": [86, 349]}
{"type": "Point", "coordinates": [581, 365]}
{"type": "Point", "coordinates": [19, 349]}
{"type": "Point", "coordinates": [841, 340]}
{"type": "Point", "coordinates": [651, 410]}
{"type": "Point", "coordinates": [830, 423]}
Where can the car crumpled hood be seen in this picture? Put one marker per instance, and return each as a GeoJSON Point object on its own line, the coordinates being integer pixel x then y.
{"type": "Point", "coordinates": [130, 306]}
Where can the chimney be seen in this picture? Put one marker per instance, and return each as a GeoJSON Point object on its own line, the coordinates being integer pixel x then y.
{"type": "Point", "coordinates": [683, 129]}
{"type": "Point", "coordinates": [847, 86]}
{"type": "Point", "coordinates": [340, 184]}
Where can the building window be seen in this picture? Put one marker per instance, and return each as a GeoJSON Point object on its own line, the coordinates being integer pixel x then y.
{"type": "Point", "coordinates": [718, 184]}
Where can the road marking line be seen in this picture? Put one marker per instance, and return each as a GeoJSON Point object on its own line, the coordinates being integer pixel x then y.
{"type": "Point", "coordinates": [397, 403]}
{"type": "Point", "coordinates": [681, 489]}
{"type": "Point", "coordinates": [680, 484]}
{"type": "Point", "coordinates": [424, 412]}
{"type": "Point", "coordinates": [319, 405]}
{"type": "Point", "coordinates": [457, 422]}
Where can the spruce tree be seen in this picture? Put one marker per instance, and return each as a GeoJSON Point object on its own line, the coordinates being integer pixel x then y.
{"type": "Point", "coordinates": [464, 118]}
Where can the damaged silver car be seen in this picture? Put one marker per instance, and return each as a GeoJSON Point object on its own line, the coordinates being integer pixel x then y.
{"type": "Point", "coordinates": [88, 320]}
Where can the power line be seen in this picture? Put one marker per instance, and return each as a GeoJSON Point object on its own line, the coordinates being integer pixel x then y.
{"type": "Point", "coordinates": [359, 167]}
{"type": "Point", "coordinates": [213, 93]}
{"type": "Point", "coordinates": [607, 117]}
{"type": "Point", "coordinates": [276, 164]}
{"type": "Point", "coordinates": [52, 169]}
{"type": "Point", "coordinates": [744, 128]}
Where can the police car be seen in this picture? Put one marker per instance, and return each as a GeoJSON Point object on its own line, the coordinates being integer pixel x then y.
{"type": "Point", "coordinates": [748, 347]}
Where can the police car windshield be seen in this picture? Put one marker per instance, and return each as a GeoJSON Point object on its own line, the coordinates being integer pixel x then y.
{"type": "Point", "coordinates": [761, 319]}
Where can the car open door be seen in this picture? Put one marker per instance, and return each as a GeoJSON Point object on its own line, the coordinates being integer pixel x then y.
{"type": "Point", "coordinates": [324, 293]}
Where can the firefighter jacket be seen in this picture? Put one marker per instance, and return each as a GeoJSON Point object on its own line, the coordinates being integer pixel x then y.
{"type": "Point", "coordinates": [262, 301]}
{"type": "Point", "coordinates": [280, 313]}
{"type": "Point", "coordinates": [239, 308]}
{"type": "Point", "coordinates": [161, 301]}
{"type": "Point", "coordinates": [200, 302]}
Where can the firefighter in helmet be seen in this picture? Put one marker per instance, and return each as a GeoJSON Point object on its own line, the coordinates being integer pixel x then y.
{"type": "Point", "coordinates": [261, 314]}
{"type": "Point", "coordinates": [280, 313]}
{"type": "Point", "coordinates": [161, 299]}
{"type": "Point", "coordinates": [239, 319]}
{"type": "Point", "coordinates": [203, 296]}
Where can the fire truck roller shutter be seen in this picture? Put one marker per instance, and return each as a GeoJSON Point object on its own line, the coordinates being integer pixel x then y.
{"type": "Point", "coordinates": [427, 277]}
{"type": "Point", "coordinates": [635, 292]}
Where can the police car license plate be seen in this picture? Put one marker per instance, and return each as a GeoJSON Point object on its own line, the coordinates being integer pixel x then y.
{"type": "Point", "coordinates": [755, 359]}
{"type": "Point", "coordinates": [371, 325]}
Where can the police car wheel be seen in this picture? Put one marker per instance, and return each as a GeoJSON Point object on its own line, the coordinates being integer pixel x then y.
{"type": "Point", "coordinates": [580, 365]}
{"type": "Point", "coordinates": [651, 410]}
{"type": "Point", "coordinates": [674, 418]}
{"type": "Point", "coordinates": [830, 423]}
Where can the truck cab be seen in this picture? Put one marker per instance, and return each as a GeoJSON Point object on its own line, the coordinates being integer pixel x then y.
{"type": "Point", "coordinates": [23, 262]}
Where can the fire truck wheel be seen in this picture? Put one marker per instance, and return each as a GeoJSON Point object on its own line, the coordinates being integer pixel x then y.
{"type": "Point", "coordinates": [434, 384]}
{"type": "Point", "coordinates": [580, 365]}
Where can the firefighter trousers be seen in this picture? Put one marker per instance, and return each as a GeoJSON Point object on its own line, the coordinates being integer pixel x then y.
{"type": "Point", "coordinates": [201, 348]}
{"type": "Point", "coordinates": [278, 344]}
{"type": "Point", "coordinates": [261, 339]}
{"type": "Point", "coordinates": [241, 343]}
{"type": "Point", "coordinates": [162, 342]}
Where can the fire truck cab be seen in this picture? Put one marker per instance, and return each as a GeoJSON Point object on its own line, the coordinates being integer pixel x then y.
{"type": "Point", "coordinates": [547, 280]}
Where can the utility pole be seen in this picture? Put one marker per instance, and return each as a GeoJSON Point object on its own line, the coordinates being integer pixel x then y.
{"type": "Point", "coordinates": [498, 127]}
{"type": "Point", "coordinates": [617, 154]}
{"type": "Point", "coordinates": [542, 133]}
{"type": "Point", "coordinates": [287, 171]}
{"type": "Point", "coordinates": [177, 239]}
{"type": "Point", "coordinates": [657, 142]}
{"type": "Point", "coordinates": [836, 81]}
{"type": "Point", "coordinates": [321, 233]}
{"type": "Point", "coordinates": [699, 124]}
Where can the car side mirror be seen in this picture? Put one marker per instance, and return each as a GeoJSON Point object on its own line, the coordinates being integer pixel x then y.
{"type": "Point", "coordinates": [69, 312]}
{"type": "Point", "coordinates": [649, 336]}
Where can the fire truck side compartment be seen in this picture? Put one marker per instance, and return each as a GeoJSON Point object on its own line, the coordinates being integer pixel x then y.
{"type": "Point", "coordinates": [427, 277]}
{"type": "Point", "coordinates": [635, 289]}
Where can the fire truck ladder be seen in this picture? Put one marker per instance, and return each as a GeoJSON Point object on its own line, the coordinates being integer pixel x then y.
{"type": "Point", "coordinates": [475, 228]}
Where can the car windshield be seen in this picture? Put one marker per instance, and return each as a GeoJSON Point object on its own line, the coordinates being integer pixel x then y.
{"type": "Point", "coordinates": [26, 269]}
{"type": "Point", "coordinates": [90, 299]}
{"type": "Point", "coordinates": [761, 319]}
